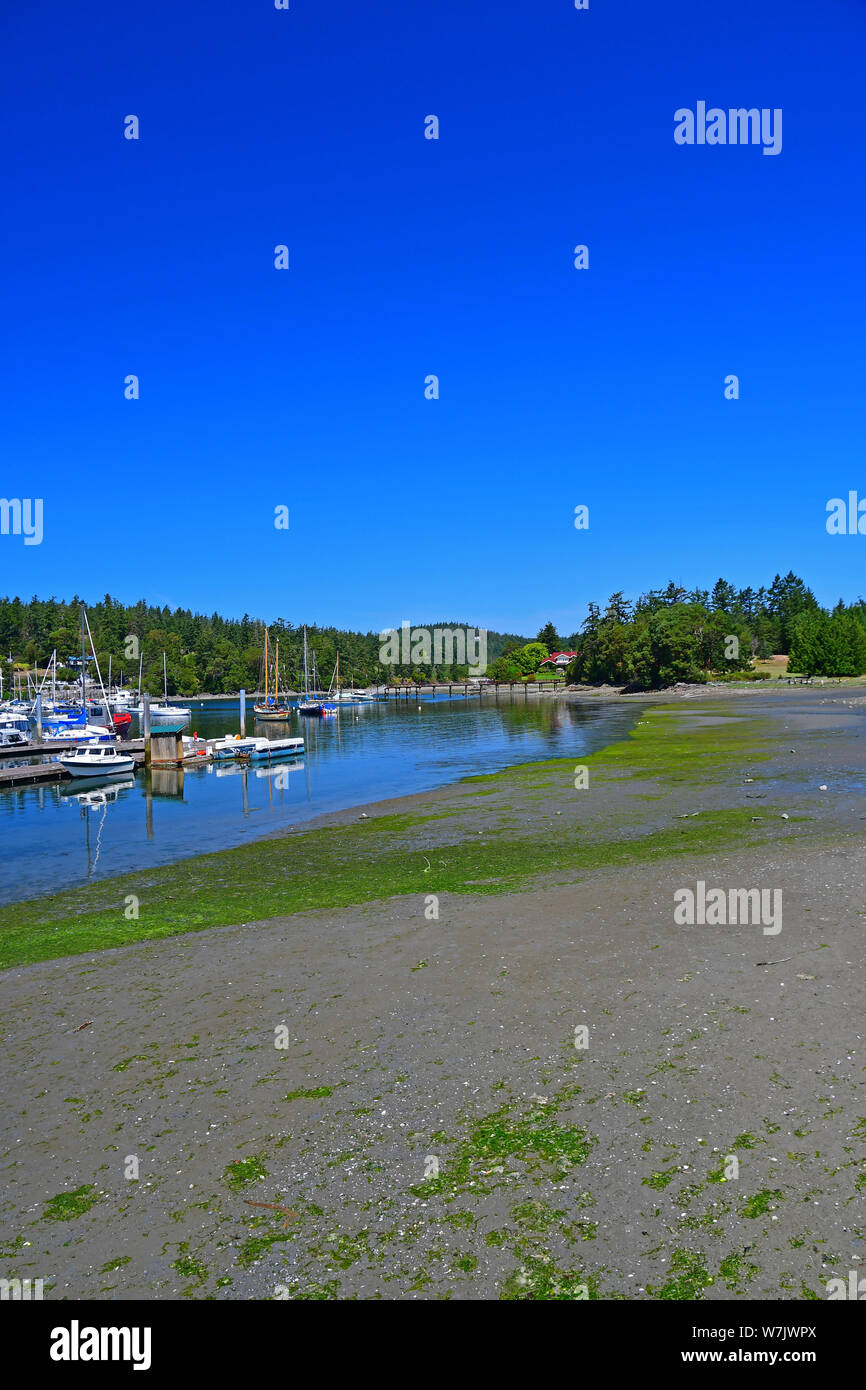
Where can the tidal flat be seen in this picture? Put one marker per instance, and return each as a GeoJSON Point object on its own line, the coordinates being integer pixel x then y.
{"type": "Point", "coordinates": [341, 1062]}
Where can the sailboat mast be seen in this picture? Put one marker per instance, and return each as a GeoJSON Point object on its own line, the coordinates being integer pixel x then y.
{"type": "Point", "coordinates": [98, 672]}
{"type": "Point", "coordinates": [267, 675]}
{"type": "Point", "coordinates": [277, 675]}
{"type": "Point", "coordinates": [83, 678]}
{"type": "Point", "coordinates": [164, 677]}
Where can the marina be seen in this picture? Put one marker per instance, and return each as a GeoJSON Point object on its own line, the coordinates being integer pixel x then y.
{"type": "Point", "coordinates": [364, 752]}
{"type": "Point", "coordinates": [56, 755]}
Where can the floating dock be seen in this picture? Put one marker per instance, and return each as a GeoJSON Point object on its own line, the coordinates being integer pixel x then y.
{"type": "Point", "coordinates": [62, 745]}
{"type": "Point", "coordinates": [43, 772]}
{"type": "Point", "coordinates": [201, 752]}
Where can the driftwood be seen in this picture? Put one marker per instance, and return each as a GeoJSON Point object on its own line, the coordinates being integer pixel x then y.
{"type": "Point", "coordinates": [276, 1206]}
{"type": "Point", "coordinates": [805, 951]}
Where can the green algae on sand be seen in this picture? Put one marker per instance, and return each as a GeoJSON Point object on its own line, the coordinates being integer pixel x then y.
{"type": "Point", "coordinates": [337, 866]}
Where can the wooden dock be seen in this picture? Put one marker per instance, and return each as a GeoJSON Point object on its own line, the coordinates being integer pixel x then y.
{"type": "Point", "coordinates": [410, 690]}
{"type": "Point", "coordinates": [52, 772]}
{"type": "Point", "coordinates": [62, 745]}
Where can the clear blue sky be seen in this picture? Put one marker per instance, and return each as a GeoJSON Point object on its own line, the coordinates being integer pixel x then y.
{"type": "Point", "coordinates": [409, 257]}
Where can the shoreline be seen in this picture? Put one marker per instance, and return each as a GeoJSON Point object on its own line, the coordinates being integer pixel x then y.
{"type": "Point", "coordinates": [775, 685]}
{"type": "Point", "coordinates": [408, 803]}
{"type": "Point", "coordinates": [96, 901]}
{"type": "Point", "coordinates": [560, 1173]}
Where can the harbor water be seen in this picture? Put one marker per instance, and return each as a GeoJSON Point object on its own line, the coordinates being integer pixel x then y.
{"type": "Point", "coordinates": [58, 835]}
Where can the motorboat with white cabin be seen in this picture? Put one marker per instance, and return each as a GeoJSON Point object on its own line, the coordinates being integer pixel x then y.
{"type": "Point", "coordinates": [93, 761]}
{"type": "Point", "coordinates": [13, 738]}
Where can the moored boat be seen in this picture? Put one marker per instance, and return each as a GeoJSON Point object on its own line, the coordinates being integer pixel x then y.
{"type": "Point", "coordinates": [13, 738]}
{"type": "Point", "coordinates": [308, 705]}
{"type": "Point", "coordinates": [96, 762]}
{"type": "Point", "coordinates": [232, 746]}
{"type": "Point", "coordinates": [266, 749]}
{"type": "Point", "coordinates": [15, 723]}
{"type": "Point", "coordinates": [76, 733]}
{"type": "Point", "coordinates": [72, 716]}
{"type": "Point", "coordinates": [98, 713]}
{"type": "Point", "coordinates": [164, 711]}
{"type": "Point", "coordinates": [272, 707]}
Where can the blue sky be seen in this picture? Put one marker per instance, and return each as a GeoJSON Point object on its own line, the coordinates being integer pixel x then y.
{"type": "Point", "coordinates": [305, 388]}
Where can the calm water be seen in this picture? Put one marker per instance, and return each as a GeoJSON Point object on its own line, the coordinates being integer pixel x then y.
{"type": "Point", "coordinates": [63, 833]}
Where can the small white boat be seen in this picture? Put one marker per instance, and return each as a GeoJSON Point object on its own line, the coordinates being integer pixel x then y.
{"type": "Point", "coordinates": [233, 746]}
{"type": "Point", "coordinates": [122, 700]}
{"type": "Point", "coordinates": [357, 697]}
{"type": "Point", "coordinates": [165, 711]}
{"type": "Point", "coordinates": [266, 749]}
{"type": "Point", "coordinates": [17, 724]}
{"type": "Point", "coordinates": [13, 738]}
{"type": "Point", "coordinates": [96, 762]}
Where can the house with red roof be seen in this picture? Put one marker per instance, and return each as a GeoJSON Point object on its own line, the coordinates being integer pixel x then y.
{"type": "Point", "coordinates": [559, 659]}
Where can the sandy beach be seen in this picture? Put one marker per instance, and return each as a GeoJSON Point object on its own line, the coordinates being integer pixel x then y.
{"type": "Point", "coordinates": [387, 1097]}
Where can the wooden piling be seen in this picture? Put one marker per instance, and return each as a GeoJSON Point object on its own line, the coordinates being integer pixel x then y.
{"type": "Point", "coordinates": [145, 720]}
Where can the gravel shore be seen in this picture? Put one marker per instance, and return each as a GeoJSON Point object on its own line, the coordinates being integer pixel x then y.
{"type": "Point", "coordinates": [392, 1101]}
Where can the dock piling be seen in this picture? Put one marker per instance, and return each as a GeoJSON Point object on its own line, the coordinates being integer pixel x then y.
{"type": "Point", "coordinates": [145, 720]}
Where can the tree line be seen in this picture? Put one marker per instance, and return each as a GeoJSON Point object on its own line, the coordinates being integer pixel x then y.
{"type": "Point", "coordinates": [666, 635]}
{"type": "Point", "coordinates": [673, 634]}
{"type": "Point", "coordinates": [204, 654]}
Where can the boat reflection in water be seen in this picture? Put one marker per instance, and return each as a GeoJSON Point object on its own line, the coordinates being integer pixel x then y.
{"type": "Point", "coordinates": [280, 774]}
{"type": "Point", "coordinates": [276, 774]}
{"type": "Point", "coordinates": [95, 791]}
{"type": "Point", "coordinates": [92, 794]}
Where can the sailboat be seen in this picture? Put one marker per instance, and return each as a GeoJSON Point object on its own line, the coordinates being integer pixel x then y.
{"type": "Point", "coordinates": [165, 711]}
{"type": "Point", "coordinates": [174, 711]}
{"type": "Point", "coordinates": [71, 721]}
{"type": "Point", "coordinates": [348, 697]}
{"type": "Point", "coordinates": [329, 706]}
{"type": "Point", "coordinates": [308, 705]}
{"type": "Point", "coordinates": [272, 707]}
